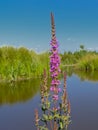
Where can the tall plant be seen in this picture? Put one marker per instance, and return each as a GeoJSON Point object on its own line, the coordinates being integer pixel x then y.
{"type": "Point", "coordinates": [54, 104]}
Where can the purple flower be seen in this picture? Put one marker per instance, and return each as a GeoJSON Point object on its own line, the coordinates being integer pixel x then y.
{"type": "Point", "coordinates": [54, 74]}
{"type": "Point", "coordinates": [54, 63]}
{"type": "Point", "coordinates": [55, 82]}
{"type": "Point", "coordinates": [52, 88]}
{"type": "Point", "coordinates": [55, 90]}
{"type": "Point", "coordinates": [59, 89]}
{"type": "Point", "coordinates": [55, 97]}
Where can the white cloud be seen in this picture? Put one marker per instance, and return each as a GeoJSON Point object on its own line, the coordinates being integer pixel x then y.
{"type": "Point", "coordinates": [92, 49]}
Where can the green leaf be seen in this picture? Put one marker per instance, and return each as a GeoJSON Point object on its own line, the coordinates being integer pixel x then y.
{"type": "Point", "coordinates": [61, 125]}
{"type": "Point", "coordinates": [44, 108]}
{"type": "Point", "coordinates": [45, 116]}
{"type": "Point", "coordinates": [56, 116]}
{"type": "Point", "coordinates": [50, 117]}
{"type": "Point", "coordinates": [43, 128]}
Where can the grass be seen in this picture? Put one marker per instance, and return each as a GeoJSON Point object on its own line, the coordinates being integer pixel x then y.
{"type": "Point", "coordinates": [17, 63]}
{"type": "Point", "coordinates": [22, 63]}
{"type": "Point", "coordinates": [89, 62]}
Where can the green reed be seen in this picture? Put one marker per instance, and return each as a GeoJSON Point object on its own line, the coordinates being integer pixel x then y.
{"type": "Point", "coordinates": [21, 63]}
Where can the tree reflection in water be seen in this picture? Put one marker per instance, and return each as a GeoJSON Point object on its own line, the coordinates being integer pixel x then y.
{"type": "Point", "coordinates": [11, 93]}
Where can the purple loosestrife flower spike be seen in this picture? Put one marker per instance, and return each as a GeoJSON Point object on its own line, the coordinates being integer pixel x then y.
{"type": "Point", "coordinates": [56, 113]}
{"type": "Point", "coordinates": [36, 117]}
{"type": "Point", "coordinates": [53, 28]}
{"type": "Point", "coordinates": [54, 62]}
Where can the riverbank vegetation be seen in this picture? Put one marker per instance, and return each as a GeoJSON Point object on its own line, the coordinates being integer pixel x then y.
{"type": "Point", "coordinates": [22, 63]}
{"type": "Point", "coordinates": [82, 59]}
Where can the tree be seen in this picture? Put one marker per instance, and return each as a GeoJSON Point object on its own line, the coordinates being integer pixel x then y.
{"type": "Point", "coordinates": [82, 47]}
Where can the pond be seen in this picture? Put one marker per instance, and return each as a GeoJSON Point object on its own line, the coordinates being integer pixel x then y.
{"type": "Point", "coordinates": [19, 100]}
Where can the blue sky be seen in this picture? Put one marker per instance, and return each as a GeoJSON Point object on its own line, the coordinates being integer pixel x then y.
{"type": "Point", "coordinates": [27, 23]}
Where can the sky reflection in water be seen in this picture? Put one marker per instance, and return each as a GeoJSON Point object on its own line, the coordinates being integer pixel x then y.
{"type": "Point", "coordinates": [19, 114]}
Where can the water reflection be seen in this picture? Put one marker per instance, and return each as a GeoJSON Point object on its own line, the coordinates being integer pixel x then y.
{"type": "Point", "coordinates": [87, 75]}
{"type": "Point", "coordinates": [84, 102]}
{"type": "Point", "coordinates": [83, 75]}
{"type": "Point", "coordinates": [18, 92]}
{"type": "Point", "coordinates": [83, 96]}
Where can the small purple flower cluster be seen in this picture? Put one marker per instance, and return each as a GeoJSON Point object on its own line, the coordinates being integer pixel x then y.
{"type": "Point", "coordinates": [54, 63]}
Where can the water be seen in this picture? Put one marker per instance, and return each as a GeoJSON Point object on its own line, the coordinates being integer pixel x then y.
{"type": "Point", "coordinates": [18, 101]}
{"type": "Point", "coordinates": [17, 104]}
{"type": "Point", "coordinates": [84, 104]}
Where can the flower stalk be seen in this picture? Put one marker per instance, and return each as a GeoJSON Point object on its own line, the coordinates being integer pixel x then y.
{"type": "Point", "coordinates": [54, 104]}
